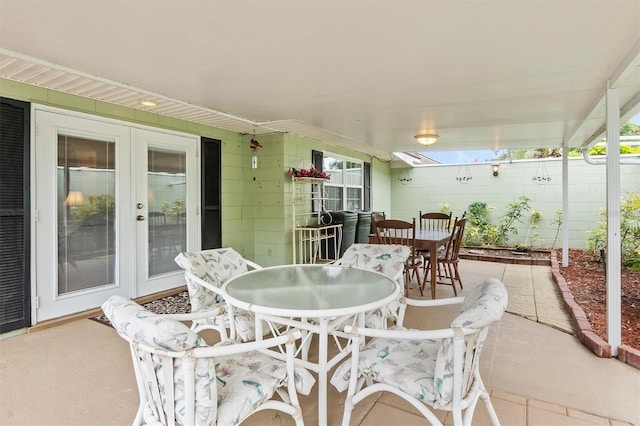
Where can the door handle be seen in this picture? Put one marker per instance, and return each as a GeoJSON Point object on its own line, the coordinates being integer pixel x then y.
{"type": "Point", "coordinates": [140, 218]}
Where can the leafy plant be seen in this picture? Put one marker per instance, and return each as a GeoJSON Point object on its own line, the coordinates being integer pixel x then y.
{"type": "Point", "coordinates": [515, 210]}
{"type": "Point", "coordinates": [529, 241]}
{"type": "Point", "coordinates": [629, 232]}
{"type": "Point", "coordinates": [481, 232]}
{"type": "Point", "coordinates": [478, 227]}
{"type": "Point", "coordinates": [173, 211]}
{"type": "Point", "coordinates": [100, 204]}
{"type": "Point", "coordinates": [558, 222]}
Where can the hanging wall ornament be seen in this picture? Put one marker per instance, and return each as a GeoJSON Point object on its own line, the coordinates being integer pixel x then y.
{"type": "Point", "coordinates": [255, 145]}
{"type": "Point", "coordinates": [542, 174]}
{"type": "Point", "coordinates": [404, 178]}
{"type": "Point", "coordinates": [463, 175]}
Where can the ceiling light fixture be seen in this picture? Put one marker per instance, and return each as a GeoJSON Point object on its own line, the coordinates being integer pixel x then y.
{"type": "Point", "coordinates": [427, 138]}
{"type": "Point", "coordinates": [148, 102]}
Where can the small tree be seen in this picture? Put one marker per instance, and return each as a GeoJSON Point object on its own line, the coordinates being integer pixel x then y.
{"type": "Point", "coordinates": [558, 222]}
{"type": "Point", "coordinates": [515, 210]}
{"type": "Point", "coordinates": [529, 241]}
{"type": "Point", "coordinates": [629, 232]}
{"type": "Point", "coordinates": [478, 227]}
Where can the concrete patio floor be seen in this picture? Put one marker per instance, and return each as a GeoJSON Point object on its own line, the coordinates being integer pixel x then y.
{"type": "Point", "coordinates": [80, 372]}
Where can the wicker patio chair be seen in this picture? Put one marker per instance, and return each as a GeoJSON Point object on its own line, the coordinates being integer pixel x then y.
{"type": "Point", "coordinates": [427, 368]}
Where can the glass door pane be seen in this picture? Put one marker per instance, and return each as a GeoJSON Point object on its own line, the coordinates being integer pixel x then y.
{"type": "Point", "coordinates": [166, 194]}
{"type": "Point", "coordinates": [86, 206]}
{"type": "Point", "coordinates": [166, 178]}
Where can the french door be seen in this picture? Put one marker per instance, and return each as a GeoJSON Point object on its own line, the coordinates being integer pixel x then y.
{"type": "Point", "coordinates": [166, 206]}
{"type": "Point", "coordinates": [114, 205]}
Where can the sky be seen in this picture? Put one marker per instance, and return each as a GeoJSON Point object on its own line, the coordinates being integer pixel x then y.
{"type": "Point", "coordinates": [456, 157]}
{"type": "Point", "coordinates": [465, 157]}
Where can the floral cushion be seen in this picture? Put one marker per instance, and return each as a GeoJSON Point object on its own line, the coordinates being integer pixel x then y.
{"type": "Point", "coordinates": [219, 382]}
{"type": "Point", "coordinates": [248, 379]}
{"type": "Point", "coordinates": [148, 328]}
{"type": "Point", "coordinates": [145, 327]}
{"type": "Point", "coordinates": [388, 259]}
{"type": "Point", "coordinates": [216, 266]}
{"type": "Point", "coordinates": [424, 368]}
{"type": "Point", "coordinates": [483, 305]}
{"type": "Point", "coordinates": [402, 363]}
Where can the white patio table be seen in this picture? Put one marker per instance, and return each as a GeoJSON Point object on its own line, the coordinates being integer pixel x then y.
{"type": "Point", "coordinates": [317, 298]}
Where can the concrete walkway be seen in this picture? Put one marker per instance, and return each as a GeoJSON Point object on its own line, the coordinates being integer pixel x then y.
{"type": "Point", "coordinates": [532, 292]}
{"type": "Point", "coordinates": [534, 295]}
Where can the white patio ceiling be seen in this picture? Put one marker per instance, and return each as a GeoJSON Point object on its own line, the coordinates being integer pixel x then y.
{"type": "Point", "coordinates": [369, 75]}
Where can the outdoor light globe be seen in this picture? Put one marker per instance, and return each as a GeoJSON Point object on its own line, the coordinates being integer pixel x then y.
{"type": "Point", "coordinates": [427, 138]}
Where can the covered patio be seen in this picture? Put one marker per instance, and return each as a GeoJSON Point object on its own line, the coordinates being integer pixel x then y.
{"type": "Point", "coordinates": [80, 373]}
{"type": "Point", "coordinates": [362, 80]}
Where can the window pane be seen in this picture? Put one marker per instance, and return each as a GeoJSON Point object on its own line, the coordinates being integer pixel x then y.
{"type": "Point", "coordinates": [334, 198]}
{"type": "Point", "coordinates": [167, 193]}
{"type": "Point", "coordinates": [354, 197]}
{"type": "Point", "coordinates": [86, 213]}
{"type": "Point", "coordinates": [353, 173]}
{"type": "Point", "coordinates": [334, 167]}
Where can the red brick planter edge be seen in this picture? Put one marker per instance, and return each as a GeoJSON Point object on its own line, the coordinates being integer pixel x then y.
{"type": "Point", "coordinates": [586, 335]}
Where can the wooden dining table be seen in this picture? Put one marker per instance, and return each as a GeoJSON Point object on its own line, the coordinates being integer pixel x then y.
{"type": "Point", "coordinates": [432, 239]}
{"type": "Point", "coordinates": [428, 239]}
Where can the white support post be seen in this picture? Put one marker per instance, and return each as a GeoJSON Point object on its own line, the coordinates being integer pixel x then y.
{"type": "Point", "coordinates": [614, 301]}
{"type": "Point", "coordinates": [565, 207]}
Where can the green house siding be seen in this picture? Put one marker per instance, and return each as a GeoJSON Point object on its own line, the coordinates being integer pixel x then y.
{"type": "Point", "coordinates": [256, 203]}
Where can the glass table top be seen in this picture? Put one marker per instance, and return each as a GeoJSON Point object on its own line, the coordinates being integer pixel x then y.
{"type": "Point", "coordinates": [311, 287]}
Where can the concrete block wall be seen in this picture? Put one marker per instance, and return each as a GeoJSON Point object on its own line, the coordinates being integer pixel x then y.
{"type": "Point", "coordinates": [431, 187]}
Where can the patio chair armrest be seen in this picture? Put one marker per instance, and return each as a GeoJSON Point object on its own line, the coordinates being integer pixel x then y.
{"type": "Point", "coordinates": [192, 316]}
{"type": "Point", "coordinates": [256, 345]}
{"type": "Point", "coordinates": [437, 302]}
{"type": "Point", "coordinates": [252, 265]}
{"type": "Point", "coordinates": [405, 333]}
{"type": "Point", "coordinates": [191, 276]}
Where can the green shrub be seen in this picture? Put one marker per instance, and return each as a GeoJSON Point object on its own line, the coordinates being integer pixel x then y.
{"type": "Point", "coordinates": [481, 232]}
{"type": "Point", "coordinates": [629, 232]}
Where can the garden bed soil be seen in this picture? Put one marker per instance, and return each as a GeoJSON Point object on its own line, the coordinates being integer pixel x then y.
{"type": "Point", "coordinates": [585, 277]}
{"type": "Point", "coordinates": [506, 255]}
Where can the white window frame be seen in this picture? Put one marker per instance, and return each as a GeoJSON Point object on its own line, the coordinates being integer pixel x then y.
{"type": "Point", "coordinates": [344, 185]}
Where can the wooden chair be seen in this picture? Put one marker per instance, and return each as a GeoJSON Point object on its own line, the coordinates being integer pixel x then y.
{"type": "Point", "coordinates": [435, 220]}
{"type": "Point", "coordinates": [393, 231]}
{"type": "Point", "coordinates": [448, 259]}
{"type": "Point", "coordinates": [430, 369]}
{"type": "Point", "coordinates": [374, 217]}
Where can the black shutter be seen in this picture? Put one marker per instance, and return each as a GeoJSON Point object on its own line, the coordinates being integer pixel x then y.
{"type": "Point", "coordinates": [15, 292]}
{"type": "Point", "coordinates": [211, 165]}
{"type": "Point", "coordinates": [367, 187]}
{"type": "Point", "coordinates": [317, 159]}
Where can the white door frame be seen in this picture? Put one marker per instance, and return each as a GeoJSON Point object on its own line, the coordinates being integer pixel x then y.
{"type": "Point", "coordinates": [43, 197]}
